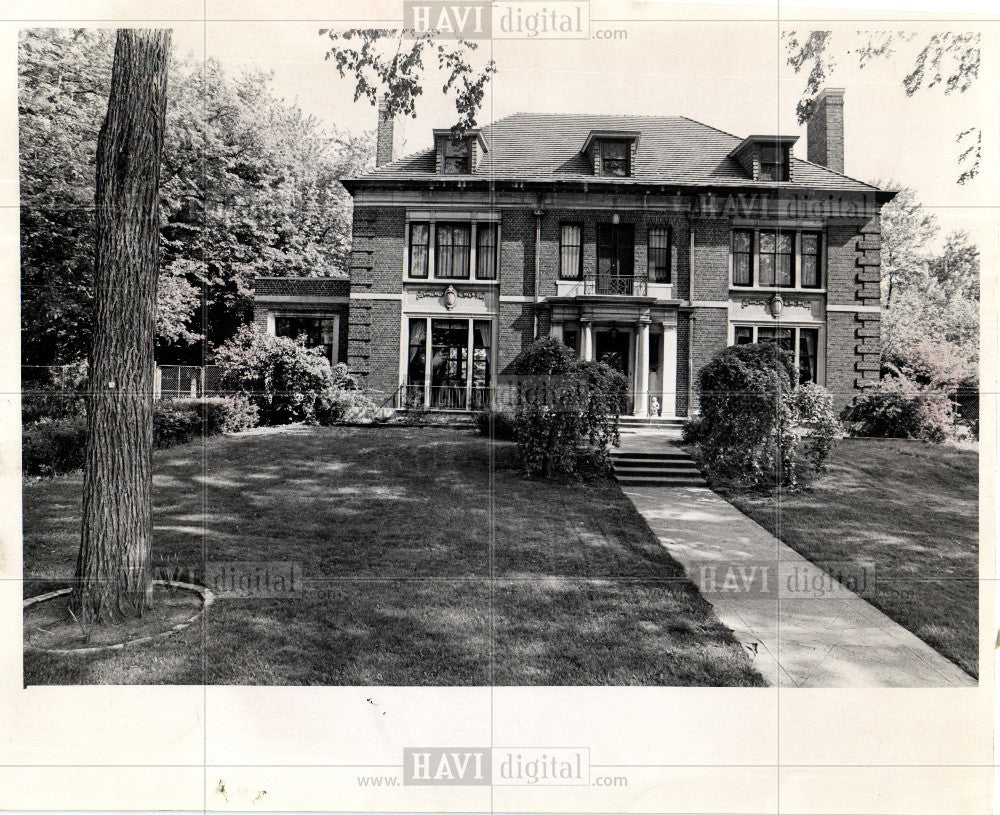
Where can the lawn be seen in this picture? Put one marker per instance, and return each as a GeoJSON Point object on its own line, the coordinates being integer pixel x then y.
{"type": "Point", "coordinates": [909, 511]}
{"type": "Point", "coordinates": [426, 560]}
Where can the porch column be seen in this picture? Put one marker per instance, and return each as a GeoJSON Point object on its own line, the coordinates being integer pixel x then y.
{"type": "Point", "coordinates": [587, 341]}
{"type": "Point", "coordinates": [642, 364]}
{"type": "Point", "coordinates": [668, 368]}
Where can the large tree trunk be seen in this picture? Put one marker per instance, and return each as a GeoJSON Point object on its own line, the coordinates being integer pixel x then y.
{"type": "Point", "coordinates": [112, 574]}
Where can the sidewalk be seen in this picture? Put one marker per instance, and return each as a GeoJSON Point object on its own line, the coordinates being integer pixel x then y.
{"type": "Point", "coordinates": [798, 636]}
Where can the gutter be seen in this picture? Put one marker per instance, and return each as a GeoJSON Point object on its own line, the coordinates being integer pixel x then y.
{"type": "Point", "coordinates": [538, 263]}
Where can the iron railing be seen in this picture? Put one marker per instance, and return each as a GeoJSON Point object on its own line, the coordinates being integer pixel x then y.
{"type": "Point", "coordinates": [620, 285]}
{"type": "Point", "coordinates": [442, 397]}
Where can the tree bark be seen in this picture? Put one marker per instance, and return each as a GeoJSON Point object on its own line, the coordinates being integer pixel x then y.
{"type": "Point", "coordinates": [113, 578]}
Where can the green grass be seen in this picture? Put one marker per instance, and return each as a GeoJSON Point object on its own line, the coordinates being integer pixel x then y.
{"type": "Point", "coordinates": [427, 560]}
{"type": "Point", "coordinates": [910, 511]}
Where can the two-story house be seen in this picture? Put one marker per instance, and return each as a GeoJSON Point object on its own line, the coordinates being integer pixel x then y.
{"type": "Point", "coordinates": [649, 242]}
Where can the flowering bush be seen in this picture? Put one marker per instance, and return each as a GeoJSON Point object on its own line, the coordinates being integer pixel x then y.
{"type": "Point", "coordinates": [279, 375]}
{"type": "Point", "coordinates": [815, 422]}
{"type": "Point", "coordinates": [901, 409]}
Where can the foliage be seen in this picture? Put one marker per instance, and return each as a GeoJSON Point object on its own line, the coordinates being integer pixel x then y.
{"type": "Point", "coordinates": [386, 70]}
{"type": "Point", "coordinates": [899, 408]}
{"type": "Point", "coordinates": [691, 431]}
{"type": "Point", "coordinates": [340, 405]}
{"type": "Point", "coordinates": [248, 187]}
{"type": "Point", "coordinates": [279, 375]}
{"type": "Point", "coordinates": [815, 421]}
{"type": "Point", "coordinates": [53, 446]}
{"type": "Point", "coordinates": [949, 59]}
{"type": "Point", "coordinates": [175, 424]}
{"type": "Point", "coordinates": [747, 424]}
{"type": "Point", "coordinates": [220, 414]}
{"type": "Point", "coordinates": [564, 405]}
{"type": "Point", "coordinates": [930, 300]}
{"type": "Point", "coordinates": [500, 424]}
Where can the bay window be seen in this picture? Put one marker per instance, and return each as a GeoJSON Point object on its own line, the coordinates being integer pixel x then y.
{"type": "Point", "coordinates": [452, 249]}
{"type": "Point", "coordinates": [801, 342]}
{"type": "Point", "coordinates": [448, 363]}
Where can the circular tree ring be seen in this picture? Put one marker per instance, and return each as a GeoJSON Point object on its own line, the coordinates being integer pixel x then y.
{"type": "Point", "coordinates": [206, 600]}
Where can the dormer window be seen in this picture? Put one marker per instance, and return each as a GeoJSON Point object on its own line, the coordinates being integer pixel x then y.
{"type": "Point", "coordinates": [458, 154]}
{"type": "Point", "coordinates": [611, 152]}
{"type": "Point", "coordinates": [765, 158]}
{"type": "Point", "coordinates": [614, 158]}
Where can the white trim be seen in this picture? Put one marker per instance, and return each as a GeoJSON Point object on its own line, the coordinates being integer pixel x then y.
{"type": "Point", "coordinates": [443, 213]}
{"type": "Point", "coordinates": [710, 304]}
{"type": "Point", "coordinates": [306, 300]}
{"type": "Point", "coordinates": [516, 298]}
{"type": "Point", "coordinates": [375, 295]}
{"type": "Point", "coordinates": [323, 315]}
{"type": "Point", "coordinates": [855, 309]}
{"type": "Point", "coordinates": [819, 328]}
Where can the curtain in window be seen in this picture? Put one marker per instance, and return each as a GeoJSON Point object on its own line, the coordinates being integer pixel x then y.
{"type": "Point", "coordinates": [742, 250]}
{"type": "Point", "coordinates": [810, 260]}
{"type": "Point", "coordinates": [486, 251]}
{"type": "Point", "coordinates": [808, 340]}
{"type": "Point", "coordinates": [419, 249]}
{"type": "Point", "coordinates": [659, 254]}
{"type": "Point", "coordinates": [416, 367]}
{"type": "Point", "coordinates": [481, 343]}
{"type": "Point", "coordinates": [451, 252]}
{"type": "Point", "coordinates": [570, 251]}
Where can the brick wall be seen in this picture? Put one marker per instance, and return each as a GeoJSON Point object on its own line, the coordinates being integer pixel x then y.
{"type": "Point", "coordinates": [711, 259]}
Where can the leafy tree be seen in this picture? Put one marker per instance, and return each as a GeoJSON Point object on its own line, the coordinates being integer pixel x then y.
{"type": "Point", "coordinates": [384, 69]}
{"type": "Point", "coordinates": [907, 231]}
{"type": "Point", "coordinates": [112, 573]}
{"type": "Point", "coordinates": [948, 59]}
{"type": "Point", "coordinates": [249, 186]}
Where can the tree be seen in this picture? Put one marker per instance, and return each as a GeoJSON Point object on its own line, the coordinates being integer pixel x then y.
{"type": "Point", "coordinates": [249, 186]}
{"type": "Point", "coordinates": [112, 574]}
{"type": "Point", "coordinates": [946, 59]}
{"type": "Point", "coordinates": [907, 230]}
{"type": "Point", "coordinates": [384, 70]}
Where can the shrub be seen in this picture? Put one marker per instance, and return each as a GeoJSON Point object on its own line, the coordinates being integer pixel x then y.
{"type": "Point", "coordinates": [347, 406]}
{"type": "Point", "coordinates": [746, 418]}
{"type": "Point", "coordinates": [60, 393]}
{"type": "Point", "coordinates": [816, 422]}
{"type": "Point", "coordinates": [691, 431]}
{"type": "Point", "coordinates": [899, 408]}
{"type": "Point", "coordinates": [173, 424]}
{"type": "Point", "coordinates": [564, 405]}
{"type": "Point", "coordinates": [53, 446]}
{"type": "Point", "coordinates": [279, 375]}
{"type": "Point", "coordinates": [221, 414]}
{"type": "Point", "coordinates": [503, 424]}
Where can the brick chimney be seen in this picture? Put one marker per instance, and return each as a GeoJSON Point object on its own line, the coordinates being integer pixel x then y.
{"type": "Point", "coordinates": [384, 138]}
{"type": "Point", "coordinates": [825, 130]}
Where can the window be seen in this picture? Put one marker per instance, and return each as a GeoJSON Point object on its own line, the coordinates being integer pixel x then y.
{"type": "Point", "coordinates": [416, 364]}
{"type": "Point", "coordinates": [773, 164]}
{"type": "Point", "coordinates": [614, 158]}
{"type": "Point", "coordinates": [451, 251]}
{"type": "Point", "coordinates": [801, 343]}
{"type": "Point", "coordinates": [808, 342]}
{"type": "Point", "coordinates": [420, 242]}
{"type": "Point", "coordinates": [454, 357]}
{"type": "Point", "coordinates": [486, 251]}
{"type": "Point", "coordinates": [456, 156]}
{"type": "Point", "coordinates": [809, 269]}
{"type": "Point", "coordinates": [742, 256]}
{"type": "Point", "coordinates": [615, 252]}
{"type": "Point", "coordinates": [571, 338]}
{"type": "Point", "coordinates": [771, 258]}
{"type": "Point", "coordinates": [774, 259]}
{"type": "Point", "coordinates": [658, 254]}
{"type": "Point", "coordinates": [315, 332]}
{"type": "Point", "coordinates": [571, 251]}
{"type": "Point", "coordinates": [482, 341]}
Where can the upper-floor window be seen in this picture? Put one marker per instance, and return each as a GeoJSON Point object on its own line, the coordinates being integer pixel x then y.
{"type": "Point", "coordinates": [571, 251]}
{"type": "Point", "coordinates": [457, 154]}
{"type": "Point", "coordinates": [614, 158]}
{"type": "Point", "coordinates": [773, 163]}
{"type": "Point", "coordinates": [773, 258]}
{"type": "Point", "coordinates": [658, 254]}
{"type": "Point", "coordinates": [420, 244]}
{"type": "Point", "coordinates": [451, 250]}
{"type": "Point", "coordinates": [486, 251]}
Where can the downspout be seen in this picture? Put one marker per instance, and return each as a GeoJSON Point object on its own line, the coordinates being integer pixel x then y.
{"type": "Point", "coordinates": [538, 263]}
{"type": "Point", "coordinates": [691, 319]}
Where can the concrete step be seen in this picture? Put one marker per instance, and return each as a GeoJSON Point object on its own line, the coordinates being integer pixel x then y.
{"type": "Point", "coordinates": [663, 468]}
{"type": "Point", "coordinates": [638, 455]}
{"type": "Point", "coordinates": [682, 471]}
{"type": "Point", "coordinates": [652, 481]}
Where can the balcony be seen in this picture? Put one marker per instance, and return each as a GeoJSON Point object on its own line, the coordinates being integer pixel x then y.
{"type": "Point", "coordinates": [604, 285]}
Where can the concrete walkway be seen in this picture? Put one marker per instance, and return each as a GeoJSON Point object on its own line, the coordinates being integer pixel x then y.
{"type": "Point", "coordinates": [801, 627]}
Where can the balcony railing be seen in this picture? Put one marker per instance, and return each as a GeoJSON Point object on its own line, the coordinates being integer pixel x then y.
{"type": "Point", "coordinates": [623, 285]}
{"type": "Point", "coordinates": [442, 397]}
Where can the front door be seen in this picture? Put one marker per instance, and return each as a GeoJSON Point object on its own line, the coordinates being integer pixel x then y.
{"type": "Point", "coordinates": [613, 348]}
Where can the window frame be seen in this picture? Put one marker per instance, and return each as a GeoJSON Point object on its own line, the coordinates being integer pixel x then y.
{"type": "Point", "coordinates": [438, 253]}
{"type": "Point", "coordinates": [424, 388]}
{"type": "Point", "coordinates": [562, 246]}
{"type": "Point", "coordinates": [796, 234]}
{"type": "Point", "coordinates": [274, 316]}
{"type": "Point", "coordinates": [426, 247]}
{"type": "Point", "coordinates": [491, 228]}
{"type": "Point", "coordinates": [626, 159]}
{"type": "Point", "coordinates": [796, 330]}
{"type": "Point", "coordinates": [665, 249]}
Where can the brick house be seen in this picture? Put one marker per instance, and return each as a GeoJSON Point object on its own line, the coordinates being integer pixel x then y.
{"type": "Point", "coordinates": [648, 242]}
{"type": "Point", "coordinates": [315, 308]}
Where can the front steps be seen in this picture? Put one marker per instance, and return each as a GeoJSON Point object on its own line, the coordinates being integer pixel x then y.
{"type": "Point", "coordinates": [666, 423]}
{"type": "Point", "coordinates": [667, 468]}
